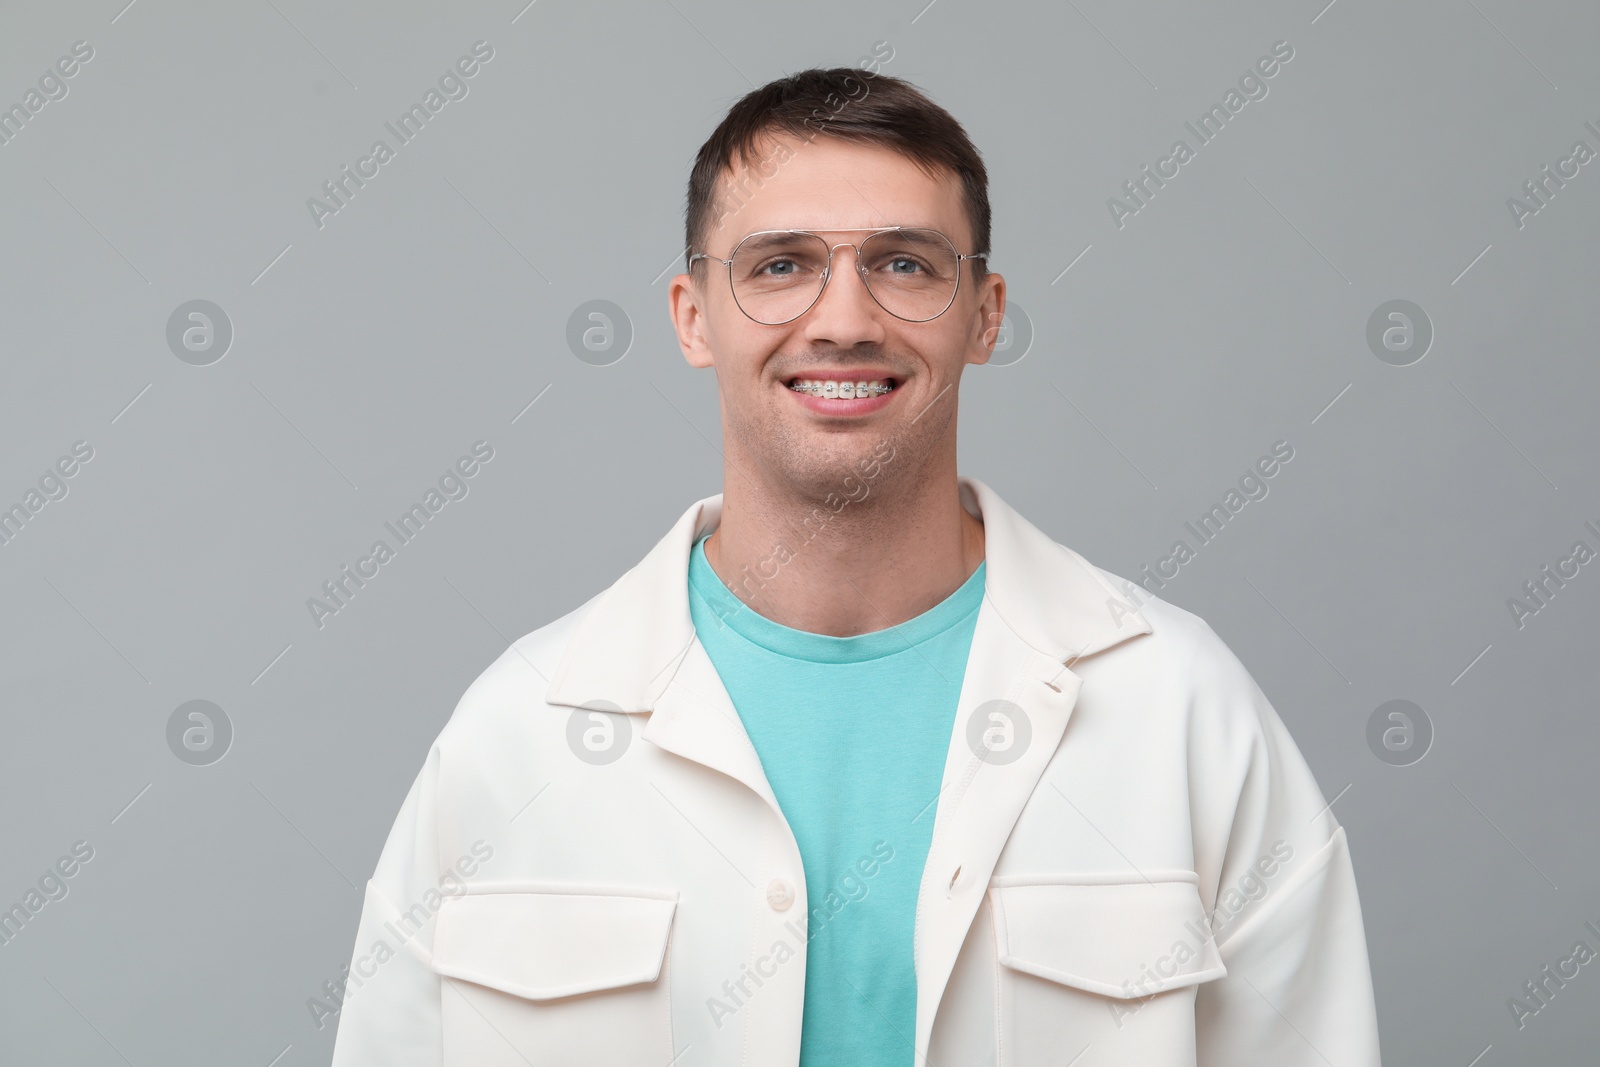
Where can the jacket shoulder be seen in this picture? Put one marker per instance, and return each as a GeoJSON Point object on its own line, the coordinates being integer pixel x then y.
{"type": "Point", "coordinates": [1232, 729]}
{"type": "Point", "coordinates": [516, 681]}
{"type": "Point", "coordinates": [1184, 649]}
{"type": "Point", "coordinates": [1177, 633]}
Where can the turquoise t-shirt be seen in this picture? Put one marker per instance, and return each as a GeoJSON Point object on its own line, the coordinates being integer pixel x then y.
{"type": "Point", "coordinates": [852, 733]}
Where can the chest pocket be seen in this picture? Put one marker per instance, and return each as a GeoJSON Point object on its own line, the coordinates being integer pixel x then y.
{"type": "Point", "coordinates": [555, 976]}
{"type": "Point", "coordinates": [1086, 962]}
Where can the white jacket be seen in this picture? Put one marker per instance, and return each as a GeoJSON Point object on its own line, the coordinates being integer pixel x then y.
{"type": "Point", "coordinates": [1142, 871]}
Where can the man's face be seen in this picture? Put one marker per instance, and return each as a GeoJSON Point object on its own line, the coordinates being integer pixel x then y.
{"type": "Point", "coordinates": [771, 431]}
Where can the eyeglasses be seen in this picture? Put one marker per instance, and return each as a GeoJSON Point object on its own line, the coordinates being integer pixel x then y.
{"type": "Point", "coordinates": [778, 275]}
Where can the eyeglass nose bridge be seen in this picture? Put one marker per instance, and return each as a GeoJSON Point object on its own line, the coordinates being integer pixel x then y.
{"type": "Point", "coordinates": [827, 270]}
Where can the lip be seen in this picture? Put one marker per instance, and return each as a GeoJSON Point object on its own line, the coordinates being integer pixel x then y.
{"type": "Point", "coordinates": [847, 408]}
{"type": "Point", "coordinates": [826, 375]}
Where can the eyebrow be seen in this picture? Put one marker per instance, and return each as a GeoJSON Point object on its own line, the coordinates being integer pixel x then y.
{"type": "Point", "coordinates": [766, 239]}
{"type": "Point", "coordinates": [769, 238]}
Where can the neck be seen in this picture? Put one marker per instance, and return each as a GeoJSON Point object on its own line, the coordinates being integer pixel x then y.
{"type": "Point", "coordinates": [873, 563]}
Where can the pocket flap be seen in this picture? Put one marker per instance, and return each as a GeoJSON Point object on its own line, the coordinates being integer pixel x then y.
{"type": "Point", "coordinates": [542, 944]}
{"type": "Point", "coordinates": [1119, 939]}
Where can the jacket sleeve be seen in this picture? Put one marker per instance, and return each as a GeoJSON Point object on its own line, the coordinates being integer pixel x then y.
{"type": "Point", "coordinates": [390, 1016]}
{"type": "Point", "coordinates": [1287, 918]}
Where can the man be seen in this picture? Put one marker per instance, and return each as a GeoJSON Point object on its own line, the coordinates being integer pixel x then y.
{"type": "Point", "coordinates": [858, 766]}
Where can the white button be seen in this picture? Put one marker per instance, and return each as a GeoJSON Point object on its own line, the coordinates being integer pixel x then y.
{"type": "Point", "coordinates": [779, 894]}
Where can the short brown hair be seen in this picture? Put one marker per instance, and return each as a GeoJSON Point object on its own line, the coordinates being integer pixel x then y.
{"type": "Point", "coordinates": [872, 109]}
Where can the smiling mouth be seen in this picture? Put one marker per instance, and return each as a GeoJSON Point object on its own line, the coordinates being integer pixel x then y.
{"type": "Point", "coordinates": [843, 390]}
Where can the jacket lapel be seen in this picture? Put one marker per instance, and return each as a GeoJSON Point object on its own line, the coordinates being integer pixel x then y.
{"type": "Point", "coordinates": [1045, 607]}
{"type": "Point", "coordinates": [1010, 687]}
{"type": "Point", "coordinates": [636, 650]}
{"type": "Point", "coordinates": [696, 719]}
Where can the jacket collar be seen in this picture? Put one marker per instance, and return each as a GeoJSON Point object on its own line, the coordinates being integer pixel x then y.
{"type": "Point", "coordinates": [625, 648]}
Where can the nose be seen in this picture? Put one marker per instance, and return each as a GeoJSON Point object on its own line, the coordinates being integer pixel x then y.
{"type": "Point", "coordinates": [846, 313]}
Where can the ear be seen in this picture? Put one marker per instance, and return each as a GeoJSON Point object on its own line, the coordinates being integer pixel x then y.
{"type": "Point", "coordinates": [686, 302]}
{"type": "Point", "coordinates": [991, 314]}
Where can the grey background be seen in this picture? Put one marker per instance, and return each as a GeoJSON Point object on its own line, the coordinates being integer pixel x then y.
{"type": "Point", "coordinates": [370, 353]}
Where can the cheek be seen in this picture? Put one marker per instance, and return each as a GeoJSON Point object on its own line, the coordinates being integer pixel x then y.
{"type": "Point", "coordinates": [951, 348]}
{"type": "Point", "coordinates": [725, 335]}
{"type": "Point", "coordinates": [745, 350]}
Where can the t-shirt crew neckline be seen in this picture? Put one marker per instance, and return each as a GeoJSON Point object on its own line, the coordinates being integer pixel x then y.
{"type": "Point", "coordinates": [705, 583]}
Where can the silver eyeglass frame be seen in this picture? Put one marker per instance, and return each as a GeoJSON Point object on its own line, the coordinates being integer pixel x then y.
{"type": "Point", "coordinates": [827, 272]}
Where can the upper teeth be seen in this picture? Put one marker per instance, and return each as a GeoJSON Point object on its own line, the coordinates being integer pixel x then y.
{"type": "Point", "coordinates": [841, 390]}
